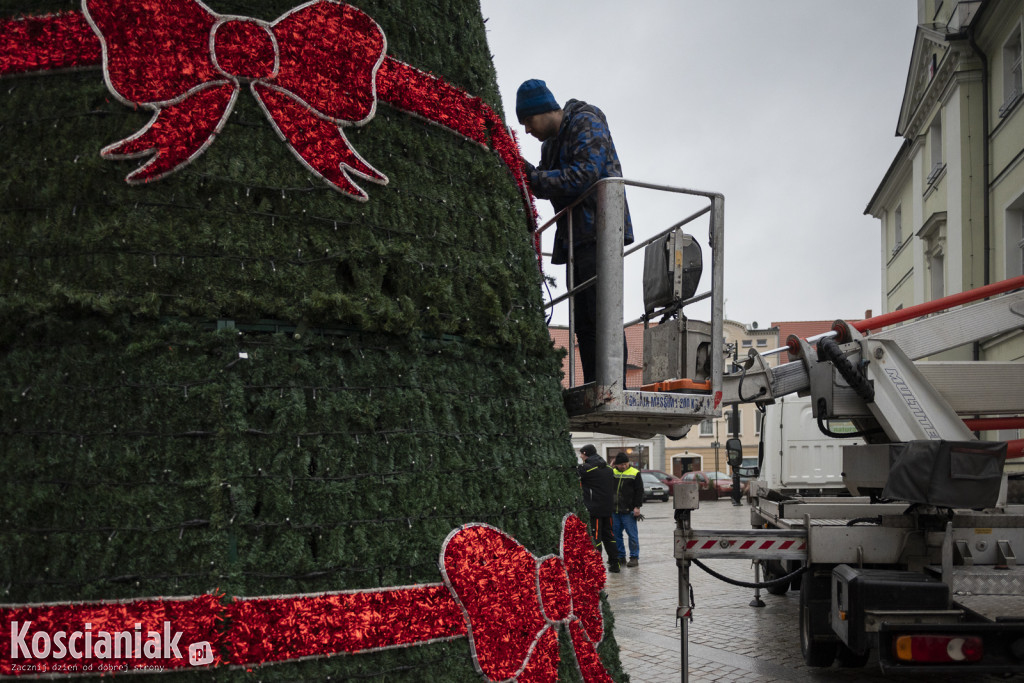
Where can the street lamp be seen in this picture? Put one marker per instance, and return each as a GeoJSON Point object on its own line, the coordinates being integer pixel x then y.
{"type": "Point", "coordinates": [717, 470]}
{"type": "Point", "coordinates": [733, 348]}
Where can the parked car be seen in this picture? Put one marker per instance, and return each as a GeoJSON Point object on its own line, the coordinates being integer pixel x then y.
{"type": "Point", "coordinates": [712, 485]}
{"type": "Point", "coordinates": [653, 489]}
{"type": "Point", "coordinates": [665, 478]}
{"type": "Point", "coordinates": [723, 481]}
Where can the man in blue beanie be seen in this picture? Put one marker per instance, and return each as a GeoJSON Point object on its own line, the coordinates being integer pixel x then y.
{"type": "Point", "coordinates": [577, 151]}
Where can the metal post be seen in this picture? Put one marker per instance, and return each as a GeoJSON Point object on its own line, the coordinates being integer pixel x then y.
{"type": "Point", "coordinates": [570, 283]}
{"type": "Point", "coordinates": [685, 499]}
{"type": "Point", "coordinates": [757, 601]}
{"type": "Point", "coordinates": [683, 612]}
{"type": "Point", "coordinates": [611, 207]}
{"type": "Point", "coordinates": [717, 241]}
{"type": "Point", "coordinates": [737, 485]}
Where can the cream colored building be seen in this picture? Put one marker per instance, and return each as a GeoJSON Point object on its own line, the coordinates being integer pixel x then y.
{"type": "Point", "coordinates": [951, 204]}
{"type": "Point", "coordinates": [698, 449]}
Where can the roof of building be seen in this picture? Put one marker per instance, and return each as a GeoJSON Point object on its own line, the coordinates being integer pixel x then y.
{"type": "Point", "coordinates": [634, 360]}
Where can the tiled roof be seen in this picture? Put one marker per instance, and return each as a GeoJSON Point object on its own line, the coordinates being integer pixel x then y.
{"type": "Point", "coordinates": [634, 362]}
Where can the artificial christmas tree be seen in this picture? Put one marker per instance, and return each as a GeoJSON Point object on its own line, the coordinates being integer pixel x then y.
{"type": "Point", "coordinates": [295, 354]}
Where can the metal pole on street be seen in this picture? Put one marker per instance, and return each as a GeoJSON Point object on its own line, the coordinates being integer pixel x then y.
{"type": "Point", "coordinates": [685, 499]}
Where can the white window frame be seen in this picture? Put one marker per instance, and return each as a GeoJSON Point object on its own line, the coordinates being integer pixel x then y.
{"type": "Point", "coordinates": [934, 237]}
{"type": "Point", "coordinates": [897, 228]}
{"type": "Point", "coordinates": [1015, 238]}
{"type": "Point", "coordinates": [1013, 88]}
{"type": "Point", "coordinates": [935, 149]}
{"type": "Point", "coordinates": [1020, 242]}
{"type": "Point", "coordinates": [707, 427]}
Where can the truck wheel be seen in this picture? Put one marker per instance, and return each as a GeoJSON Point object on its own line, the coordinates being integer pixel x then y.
{"type": "Point", "coordinates": [818, 644]}
{"type": "Point", "coordinates": [771, 570]}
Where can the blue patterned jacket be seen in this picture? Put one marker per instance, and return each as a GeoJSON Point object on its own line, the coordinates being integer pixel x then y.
{"type": "Point", "coordinates": [581, 154]}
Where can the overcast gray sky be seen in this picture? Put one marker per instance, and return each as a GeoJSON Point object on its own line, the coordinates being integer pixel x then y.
{"type": "Point", "coordinates": [787, 108]}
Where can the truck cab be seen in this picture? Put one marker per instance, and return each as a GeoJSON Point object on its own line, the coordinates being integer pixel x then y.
{"type": "Point", "coordinates": [797, 459]}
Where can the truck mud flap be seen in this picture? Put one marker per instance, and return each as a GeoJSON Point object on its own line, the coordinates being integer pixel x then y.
{"type": "Point", "coordinates": [818, 642]}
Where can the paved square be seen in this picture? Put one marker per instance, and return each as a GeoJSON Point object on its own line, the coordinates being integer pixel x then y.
{"type": "Point", "coordinates": [728, 639]}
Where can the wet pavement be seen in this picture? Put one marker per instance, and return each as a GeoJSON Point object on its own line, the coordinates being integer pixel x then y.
{"type": "Point", "coordinates": [729, 640]}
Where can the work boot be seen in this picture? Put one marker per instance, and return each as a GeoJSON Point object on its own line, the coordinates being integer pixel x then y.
{"type": "Point", "coordinates": [633, 562]}
{"type": "Point", "coordinates": [613, 567]}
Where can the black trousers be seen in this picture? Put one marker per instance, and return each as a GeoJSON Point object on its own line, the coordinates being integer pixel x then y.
{"type": "Point", "coordinates": [604, 535]}
{"type": "Point", "coordinates": [585, 309]}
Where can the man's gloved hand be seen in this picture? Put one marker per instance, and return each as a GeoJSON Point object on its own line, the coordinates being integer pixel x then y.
{"type": "Point", "coordinates": [640, 518]}
{"type": "Point", "coordinates": [528, 168]}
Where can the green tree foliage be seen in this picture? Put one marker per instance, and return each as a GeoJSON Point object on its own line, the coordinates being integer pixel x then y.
{"type": "Point", "coordinates": [237, 378]}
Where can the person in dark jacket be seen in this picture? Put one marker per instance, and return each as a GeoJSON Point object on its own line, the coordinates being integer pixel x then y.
{"type": "Point", "coordinates": [577, 151]}
{"type": "Point", "coordinates": [598, 484]}
{"type": "Point", "coordinates": [629, 497]}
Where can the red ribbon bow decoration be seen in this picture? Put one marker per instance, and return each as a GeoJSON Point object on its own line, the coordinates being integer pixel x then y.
{"type": "Point", "coordinates": [512, 600]}
{"type": "Point", "coordinates": [312, 70]}
{"type": "Point", "coordinates": [194, 89]}
{"type": "Point", "coordinates": [494, 591]}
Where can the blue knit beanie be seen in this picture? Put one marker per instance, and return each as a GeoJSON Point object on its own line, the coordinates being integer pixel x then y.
{"type": "Point", "coordinates": [533, 97]}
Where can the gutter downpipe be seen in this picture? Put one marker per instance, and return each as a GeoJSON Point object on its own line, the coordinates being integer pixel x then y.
{"type": "Point", "coordinates": [987, 217]}
{"type": "Point", "coordinates": [985, 150]}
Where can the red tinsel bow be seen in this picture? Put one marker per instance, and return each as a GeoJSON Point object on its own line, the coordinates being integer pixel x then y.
{"type": "Point", "coordinates": [512, 600]}
{"type": "Point", "coordinates": [194, 110]}
{"type": "Point", "coordinates": [495, 591]}
{"type": "Point", "coordinates": [312, 70]}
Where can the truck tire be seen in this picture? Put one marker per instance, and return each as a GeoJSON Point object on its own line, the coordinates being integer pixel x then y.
{"type": "Point", "coordinates": [818, 643]}
{"type": "Point", "coordinates": [771, 570]}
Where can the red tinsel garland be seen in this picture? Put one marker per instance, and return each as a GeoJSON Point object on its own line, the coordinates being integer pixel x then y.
{"type": "Point", "coordinates": [495, 591]}
{"type": "Point", "coordinates": [319, 66]}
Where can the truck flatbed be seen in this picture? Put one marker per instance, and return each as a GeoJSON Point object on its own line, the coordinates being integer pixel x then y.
{"type": "Point", "coordinates": [991, 594]}
{"type": "Point", "coordinates": [790, 513]}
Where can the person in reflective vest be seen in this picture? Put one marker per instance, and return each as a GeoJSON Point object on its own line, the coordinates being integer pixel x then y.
{"type": "Point", "coordinates": [629, 497]}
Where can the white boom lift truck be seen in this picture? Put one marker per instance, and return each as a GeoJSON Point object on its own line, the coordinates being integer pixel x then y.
{"type": "Point", "coordinates": [919, 563]}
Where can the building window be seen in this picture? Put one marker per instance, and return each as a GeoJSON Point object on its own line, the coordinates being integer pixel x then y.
{"type": "Point", "coordinates": [935, 146]}
{"type": "Point", "coordinates": [936, 259]}
{"type": "Point", "coordinates": [1011, 72]}
{"type": "Point", "coordinates": [934, 237]}
{"type": "Point", "coordinates": [762, 342]}
{"type": "Point", "coordinates": [936, 274]}
{"type": "Point", "coordinates": [1015, 239]}
{"type": "Point", "coordinates": [758, 417]}
{"type": "Point", "coordinates": [1020, 243]}
{"type": "Point", "coordinates": [747, 343]}
{"type": "Point", "coordinates": [707, 428]}
{"type": "Point", "coordinates": [897, 229]}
